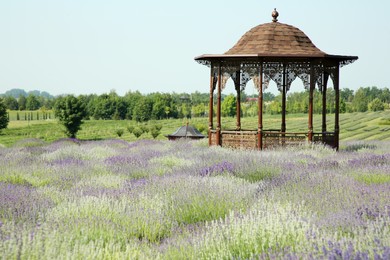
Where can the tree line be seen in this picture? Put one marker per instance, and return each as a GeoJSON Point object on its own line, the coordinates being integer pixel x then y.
{"type": "Point", "coordinates": [155, 106]}
{"type": "Point", "coordinates": [362, 100]}
{"type": "Point", "coordinates": [71, 111]}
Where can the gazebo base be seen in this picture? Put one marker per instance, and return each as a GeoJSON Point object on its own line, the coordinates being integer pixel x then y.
{"type": "Point", "coordinates": [249, 139]}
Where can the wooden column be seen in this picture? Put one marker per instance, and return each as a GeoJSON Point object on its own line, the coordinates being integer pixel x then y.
{"type": "Point", "coordinates": [284, 99]}
{"type": "Point", "coordinates": [238, 101]}
{"type": "Point", "coordinates": [337, 108]}
{"type": "Point", "coordinates": [260, 110]}
{"type": "Point", "coordinates": [219, 106]}
{"type": "Point", "coordinates": [312, 86]}
{"type": "Point", "coordinates": [324, 90]}
{"type": "Point", "coordinates": [211, 104]}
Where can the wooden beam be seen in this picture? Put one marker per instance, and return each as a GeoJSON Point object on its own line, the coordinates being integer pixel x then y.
{"type": "Point", "coordinates": [312, 86]}
{"type": "Point", "coordinates": [211, 104]}
{"type": "Point", "coordinates": [324, 91]}
{"type": "Point", "coordinates": [260, 110]}
{"type": "Point", "coordinates": [284, 99]}
{"type": "Point", "coordinates": [219, 105]}
{"type": "Point", "coordinates": [238, 101]}
{"type": "Point", "coordinates": [337, 109]}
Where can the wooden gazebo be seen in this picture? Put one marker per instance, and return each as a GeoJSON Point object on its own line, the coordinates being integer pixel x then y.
{"type": "Point", "coordinates": [281, 53]}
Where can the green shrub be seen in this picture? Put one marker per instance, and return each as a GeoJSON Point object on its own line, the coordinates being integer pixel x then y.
{"type": "Point", "coordinates": [201, 127]}
{"type": "Point", "coordinates": [376, 105]}
{"type": "Point", "coordinates": [137, 132]}
{"type": "Point", "coordinates": [260, 174]}
{"type": "Point", "coordinates": [130, 128]}
{"type": "Point", "coordinates": [3, 115]}
{"type": "Point", "coordinates": [119, 132]}
{"type": "Point", "coordinates": [385, 121]}
{"type": "Point", "coordinates": [144, 128]}
{"type": "Point", "coordinates": [155, 132]}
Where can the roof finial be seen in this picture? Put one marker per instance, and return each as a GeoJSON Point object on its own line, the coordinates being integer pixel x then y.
{"type": "Point", "coordinates": [275, 15]}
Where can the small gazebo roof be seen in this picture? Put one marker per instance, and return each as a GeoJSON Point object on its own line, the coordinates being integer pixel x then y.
{"type": "Point", "coordinates": [274, 40]}
{"type": "Point", "coordinates": [186, 131]}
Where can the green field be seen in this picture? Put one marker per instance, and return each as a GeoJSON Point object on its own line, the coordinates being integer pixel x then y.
{"type": "Point", "coordinates": [353, 126]}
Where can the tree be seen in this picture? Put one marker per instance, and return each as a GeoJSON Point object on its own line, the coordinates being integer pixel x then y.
{"type": "Point", "coordinates": [104, 106]}
{"type": "Point", "coordinates": [385, 95]}
{"type": "Point", "coordinates": [158, 110]}
{"type": "Point", "coordinates": [343, 106]}
{"type": "Point", "coordinates": [3, 115]}
{"type": "Point", "coordinates": [275, 107]}
{"type": "Point", "coordinates": [376, 105]}
{"type": "Point", "coordinates": [70, 112]}
{"type": "Point", "coordinates": [268, 97]}
{"type": "Point", "coordinates": [142, 110]}
{"type": "Point", "coordinates": [346, 94]}
{"type": "Point", "coordinates": [22, 103]}
{"type": "Point", "coordinates": [11, 103]}
{"type": "Point", "coordinates": [360, 101]}
{"type": "Point", "coordinates": [229, 105]}
{"type": "Point", "coordinates": [199, 110]}
{"type": "Point", "coordinates": [32, 102]}
{"type": "Point", "coordinates": [164, 106]}
{"type": "Point", "coordinates": [132, 99]}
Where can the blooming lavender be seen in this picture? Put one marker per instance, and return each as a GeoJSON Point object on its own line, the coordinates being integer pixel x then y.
{"type": "Point", "coordinates": [183, 200]}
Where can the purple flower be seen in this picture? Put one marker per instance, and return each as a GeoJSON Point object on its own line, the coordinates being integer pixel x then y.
{"type": "Point", "coordinates": [218, 169]}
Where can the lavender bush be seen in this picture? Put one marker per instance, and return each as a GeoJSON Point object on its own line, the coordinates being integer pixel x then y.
{"type": "Point", "coordinates": [182, 200]}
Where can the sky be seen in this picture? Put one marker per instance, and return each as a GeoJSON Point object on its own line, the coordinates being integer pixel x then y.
{"type": "Point", "coordinates": [97, 46]}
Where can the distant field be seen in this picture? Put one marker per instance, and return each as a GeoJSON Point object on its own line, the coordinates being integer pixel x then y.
{"type": "Point", "coordinates": [353, 126]}
{"type": "Point", "coordinates": [30, 115]}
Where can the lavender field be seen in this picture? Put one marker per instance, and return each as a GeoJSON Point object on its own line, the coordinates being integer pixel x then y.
{"type": "Point", "coordinates": [182, 200]}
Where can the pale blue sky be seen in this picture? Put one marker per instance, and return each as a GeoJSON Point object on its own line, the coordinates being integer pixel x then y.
{"type": "Point", "coordinates": [94, 46]}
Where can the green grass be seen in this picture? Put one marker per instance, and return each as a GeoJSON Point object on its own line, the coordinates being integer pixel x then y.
{"type": "Point", "coordinates": [372, 178]}
{"type": "Point", "coordinates": [353, 126]}
{"type": "Point", "coordinates": [34, 115]}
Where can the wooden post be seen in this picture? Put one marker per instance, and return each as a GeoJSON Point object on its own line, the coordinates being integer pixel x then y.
{"type": "Point", "coordinates": [337, 109]}
{"type": "Point", "coordinates": [312, 86]}
{"type": "Point", "coordinates": [219, 106]}
{"type": "Point", "coordinates": [324, 90]}
{"type": "Point", "coordinates": [238, 101]}
{"type": "Point", "coordinates": [284, 100]}
{"type": "Point", "coordinates": [211, 104]}
{"type": "Point", "coordinates": [324, 93]}
{"type": "Point", "coordinates": [260, 110]}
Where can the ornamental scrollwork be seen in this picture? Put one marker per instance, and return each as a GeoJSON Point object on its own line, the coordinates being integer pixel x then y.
{"type": "Point", "coordinates": [301, 71]}
{"type": "Point", "coordinates": [227, 73]}
{"type": "Point", "coordinates": [279, 72]}
{"type": "Point", "coordinates": [274, 71]}
{"type": "Point", "coordinates": [346, 62]}
{"type": "Point", "coordinates": [247, 74]}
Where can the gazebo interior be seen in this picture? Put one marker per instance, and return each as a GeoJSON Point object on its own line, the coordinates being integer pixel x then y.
{"type": "Point", "coordinates": [281, 53]}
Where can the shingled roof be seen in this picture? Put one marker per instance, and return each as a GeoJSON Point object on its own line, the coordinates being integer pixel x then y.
{"type": "Point", "coordinates": [275, 38]}
{"type": "Point", "coordinates": [186, 131]}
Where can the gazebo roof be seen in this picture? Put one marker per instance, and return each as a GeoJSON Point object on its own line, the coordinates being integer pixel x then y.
{"type": "Point", "coordinates": [275, 38]}
{"type": "Point", "coordinates": [187, 131]}
{"type": "Point", "coordinates": [274, 41]}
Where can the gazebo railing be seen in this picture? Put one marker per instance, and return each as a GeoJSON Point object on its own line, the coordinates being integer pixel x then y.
{"type": "Point", "coordinates": [275, 138]}
{"type": "Point", "coordinates": [271, 138]}
{"type": "Point", "coordinates": [244, 139]}
{"type": "Point", "coordinates": [328, 138]}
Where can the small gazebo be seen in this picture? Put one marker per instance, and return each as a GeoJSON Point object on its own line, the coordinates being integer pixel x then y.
{"type": "Point", "coordinates": [281, 53]}
{"type": "Point", "coordinates": [187, 132]}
